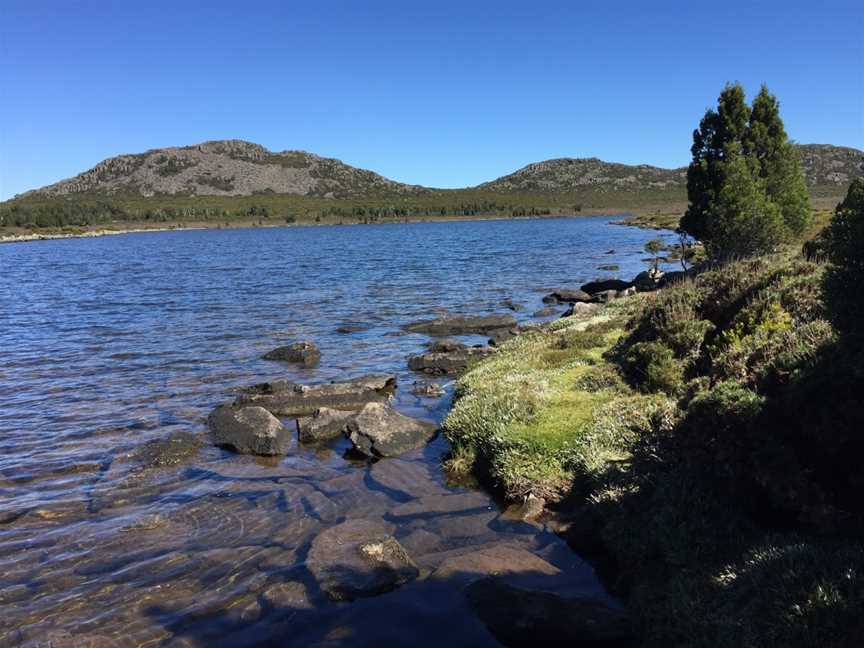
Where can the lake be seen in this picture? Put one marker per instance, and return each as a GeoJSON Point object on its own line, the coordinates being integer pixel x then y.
{"type": "Point", "coordinates": [109, 343]}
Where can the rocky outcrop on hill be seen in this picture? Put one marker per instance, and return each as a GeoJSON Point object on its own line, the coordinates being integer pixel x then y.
{"type": "Point", "coordinates": [227, 168]}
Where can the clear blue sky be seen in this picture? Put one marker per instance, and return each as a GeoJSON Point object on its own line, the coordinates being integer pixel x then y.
{"type": "Point", "coordinates": [439, 93]}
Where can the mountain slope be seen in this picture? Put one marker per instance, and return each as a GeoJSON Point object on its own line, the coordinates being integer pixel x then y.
{"type": "Point", "coordinates": [226, 168]}
{"type": "Point", "coordinates": [829, 168]}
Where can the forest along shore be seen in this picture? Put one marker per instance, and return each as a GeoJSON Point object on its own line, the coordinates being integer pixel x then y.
{"type": "Point", "coordinates": [19, 235]}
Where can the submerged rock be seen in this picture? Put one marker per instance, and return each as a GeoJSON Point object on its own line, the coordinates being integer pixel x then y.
{"type": "Point", "coordinates": [359, 558]}
{"type": "Point", "coordinates": [530, 616]}
{"type": "Point", "coordinates": [380, 431]}
{"type": "Point", "coordinates": [172, 450]}
{"type": "Point", "coordinates": [305, 353]}
{"type": "Point", "coordinates": [447, 357]}
{"type": "Point", "coordinates": [610, 267]}
{"type": "Point", "coordinates": [547, 311]}
{"type": "Point", "coordinates": [429, 390]}
{"type": "Point", "coordinates": [511, 305]}
{"type": "Point", "coordinates": [285, 398]}
{"type": "Point", "coordinates": [248, 430]}
{"type": "Point", "coordinates": [323, 425]}
{"type": "Point", "coordinates": [462, 324]}
{"type": "Point", "coordinates": [565, 296]}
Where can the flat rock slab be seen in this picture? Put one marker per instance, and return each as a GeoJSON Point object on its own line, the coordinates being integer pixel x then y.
{"type": "Point", "coordinates": [567, 296]}
{"type": "Point", "coordinates": [500, 559]}
{"type": "Point", "coordinates": [305, 353]}
{"type": "Point", "coordinates": [380, 431]}
{"type": "Point", "coordinates": [462, 324]}
{"type": "Point", "coordinates": [580, 309]}
{"type": "Point", "coordinates": [448, 359]}
{"type": "Point", "coordinates": [470, 501]}
{"type": "Point", "coordinates": [285, 398]}
{"type": "Point", "coordinates": [359, 558]}
{"type": "Point", "coordinates": [323, 425]}
{"type": "Point", "coordinates": [248, 430]}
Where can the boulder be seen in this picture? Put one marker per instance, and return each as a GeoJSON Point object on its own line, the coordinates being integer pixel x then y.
{"type": "Point", "coordinates": [528, 615]}
{"type": "Point", "coordinates": [462, 325]}
{"type": "Point", "coordinates": [606, 296]}
{"type": "Point", "coordinates": [581, 310]}
{"type": "Point", "coordinates": [305, 353]}
{"type": "Point", "coordinates": [248, 430]}
{"type": "Point", "coordinates": [380, 431]}
{"type": "Point", "coordinates": [359, 558]}
{"type": "Point", "coordinates": [285, 398]}
{"type": "Point", "coordinates": [323, 425]}
{"type": "Point", "coordinates": [566, 296]}
{"type": "Point", "coordinates": [648, 280]}
{"type": "Point", "coordinates": [447, 358]}
{"type": "Point", "coordinates": [593, 287]}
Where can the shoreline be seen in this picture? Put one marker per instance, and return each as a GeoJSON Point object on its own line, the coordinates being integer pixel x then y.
{"type": "Point", "coordinates": [29, 236]}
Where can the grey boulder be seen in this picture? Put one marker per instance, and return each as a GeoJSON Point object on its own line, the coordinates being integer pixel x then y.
{"type": "Point", "coordinates": [305, 353]}
{"type": "Point", "coordinates": [380, 431]}
{"type": "Point", "coordinates": [323, 425]}
{"type": "Point", "coordinates": [447, 357]}
{"type": "Point", "coordinates": [248, 430]}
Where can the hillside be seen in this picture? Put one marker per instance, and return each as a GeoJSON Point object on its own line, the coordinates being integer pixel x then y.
{"type": "Point", "coordinates": [226, 168]}
{"type": "Point", "coordinates": [828, 169]}
{"type": "Point", "coordinates": [234, 183]}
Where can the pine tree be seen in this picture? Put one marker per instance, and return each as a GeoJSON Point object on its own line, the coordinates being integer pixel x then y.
{"type": "Point", "coordinates": [704, 180]}
{"type": "Point", "coordinates": [741, 220]}
{"type": "Point", "coordinates": [778, 163]}
{"type": "Point", "coordinates": [732, 142]}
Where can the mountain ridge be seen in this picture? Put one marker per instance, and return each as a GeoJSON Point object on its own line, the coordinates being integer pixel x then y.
{"type": "Point", "coordinates": [241, 168]}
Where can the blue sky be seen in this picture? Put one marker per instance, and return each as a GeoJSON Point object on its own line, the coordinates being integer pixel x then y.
{"type": "Point", "coordinates": [438, 93]}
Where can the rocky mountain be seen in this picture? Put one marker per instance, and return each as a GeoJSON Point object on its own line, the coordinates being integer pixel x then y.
{"type": "Point", "coordinates": [824, 166]}
{"type": "Point", "coordinates": [238, 168]}
{"type": "Point", "coordinates": [227, 168]}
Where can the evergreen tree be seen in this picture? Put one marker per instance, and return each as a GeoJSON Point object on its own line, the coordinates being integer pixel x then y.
{"type": "Point", "coordinates": [844, 238]}
{"type": "Point", "coordinates": [704, 179]}
{"type": "Point", "coordinates": [778, 163]}
{"type": "Point", "coordinates": [741, 219]}
{"type": "Point", "coordinates": [732, 142]}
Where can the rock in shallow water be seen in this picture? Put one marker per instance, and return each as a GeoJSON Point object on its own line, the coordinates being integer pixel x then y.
{"type": "Point", "coordinates": [567, 296]}
{"type": "Point", "coordinates": [323, 425]}
{"type": "Point", "coordinates": [462, 324]}
{"type": "Point", "coordinates": [170, 451]}
{"type": "Point", "coordinates": [447, 358]}
{"type": "Point", "coordinates": [380, 431]}
{"type": "Point", "coordinates": [359, 558]}
{"type": "Point", "coordinates": [248, 430]}
{"type": "Point", "coordinates": [305, 353]}
{"type": "Point", "coordinates": [285, 398]}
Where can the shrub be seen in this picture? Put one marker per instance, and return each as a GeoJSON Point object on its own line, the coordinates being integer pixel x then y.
{"type": "Point", "coordinates": [844, 236]}
{"type": "Point", "coordinates": [652, 366]}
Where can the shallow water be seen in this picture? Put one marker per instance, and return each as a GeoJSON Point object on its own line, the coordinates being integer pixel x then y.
{"type": "Point", "coordinates": [108, 343]}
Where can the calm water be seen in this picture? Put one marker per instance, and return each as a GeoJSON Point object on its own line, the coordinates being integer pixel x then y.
{"type": "Point", "coordinates": [108, 343]}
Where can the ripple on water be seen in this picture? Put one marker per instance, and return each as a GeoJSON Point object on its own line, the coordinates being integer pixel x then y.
{"type": "Point", "coordinates": [112, 344]}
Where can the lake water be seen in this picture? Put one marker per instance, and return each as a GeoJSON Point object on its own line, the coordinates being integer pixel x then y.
{"type": "Point", "coordinates": [108, 343]}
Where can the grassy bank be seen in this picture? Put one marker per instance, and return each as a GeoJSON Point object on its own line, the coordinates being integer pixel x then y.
{"type": "Point", "coordinates": [702, 443]}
